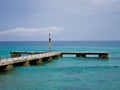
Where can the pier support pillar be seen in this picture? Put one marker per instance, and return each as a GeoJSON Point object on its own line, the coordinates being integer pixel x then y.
{"type": "Point", "coordinates": [39, 61]}
{"type": "Point", "coordinates": [81, 55]}
{"type": "Point", "coordinates": [8, 67]}
{"type": "Point", "coordinates": [26, 63]}
{"type": "Point", "coordinates": [15, 54]}
{"type": "Point", "coordinates": [59, 56]}
{"type": "Point", "coordinates": [78, 55]}
{"type": "Point", "coordinates": [103, 55]}
{"type": "Point", "coordinates": [50, 58]}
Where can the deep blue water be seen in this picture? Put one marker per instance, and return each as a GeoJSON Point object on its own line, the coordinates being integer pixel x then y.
{"type": "Point", "coordinates": [68, 73]}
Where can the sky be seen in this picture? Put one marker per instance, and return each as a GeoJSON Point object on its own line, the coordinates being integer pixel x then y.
{"type": "Point", "coordinates": [73, 20]}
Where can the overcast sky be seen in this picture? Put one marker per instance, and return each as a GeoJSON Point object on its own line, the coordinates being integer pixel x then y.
{"type": "Point", "coordinates": [33, 20]}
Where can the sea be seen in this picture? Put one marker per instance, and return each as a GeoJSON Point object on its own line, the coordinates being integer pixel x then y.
{"type": "Point", "coordinates": [67, 73]}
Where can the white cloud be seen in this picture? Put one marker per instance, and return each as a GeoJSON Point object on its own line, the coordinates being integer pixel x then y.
{"type": "Point", "coordinates": [22, 33]}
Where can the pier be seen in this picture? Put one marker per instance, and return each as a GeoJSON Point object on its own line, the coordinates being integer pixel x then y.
{"type": "Point", "coordinates": [8, 63]}
{"type": "Point", "coordinates": [78, 54]}
{"type": "Point", "coordinates": [39, 57]}
{"type": "Point", "coordinates": [84, 54]}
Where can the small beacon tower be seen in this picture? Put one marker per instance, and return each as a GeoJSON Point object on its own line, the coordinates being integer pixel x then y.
{"type": "Point", "coordinates": [49, 43]}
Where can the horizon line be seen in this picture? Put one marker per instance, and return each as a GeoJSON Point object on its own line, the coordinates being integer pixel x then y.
{"type": "Point", "coordinates": [57, 40]}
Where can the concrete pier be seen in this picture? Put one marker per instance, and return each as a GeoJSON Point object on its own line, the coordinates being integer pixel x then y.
{"type": "Point", "coordinates": [84, 54]}
{"type": "Point", "coordinates": [18, 60]}
{"type": "Point", "coordinates": [39, 57]}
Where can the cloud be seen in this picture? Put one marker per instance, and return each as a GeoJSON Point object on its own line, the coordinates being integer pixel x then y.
{"type": "Point", "coordinates": [22, 33]}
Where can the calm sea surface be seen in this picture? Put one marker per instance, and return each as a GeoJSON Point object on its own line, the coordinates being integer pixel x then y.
{"type": "Point", "coordinates": [67, 73]}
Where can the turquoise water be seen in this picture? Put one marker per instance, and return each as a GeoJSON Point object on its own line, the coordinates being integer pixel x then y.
{"type": "Point", "coordinates": [68, 73]}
